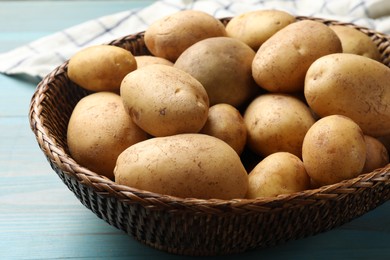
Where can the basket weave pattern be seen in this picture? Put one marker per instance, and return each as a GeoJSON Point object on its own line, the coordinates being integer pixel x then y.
{"type": "Point", "coordinates": [194, 226]}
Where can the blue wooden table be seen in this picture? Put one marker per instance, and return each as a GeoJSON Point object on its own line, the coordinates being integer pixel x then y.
{"type": "Point", "coordinates": [41, 219]}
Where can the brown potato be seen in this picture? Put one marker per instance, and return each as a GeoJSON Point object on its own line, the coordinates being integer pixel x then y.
{"type": "Point", "coordinates": [385, 140]}
{"type": "Point", "coordinates": [101, 68]}
{"type": "Point", "coordinates": [334, 150]}
{"type": "Point", "coordinates": [186, 165]}
{"type": "Point", "coordinates": [223, 66]}
{"type": "Point", "coordinates": [226, 123]}
{"type": "Point", "coordinates": [281, 62]}
{"type": "Point", "coordinates": [170, 36]}
{"type": "Point", "coordinates": [356, 42]}
{"type": "Point", "coordinates": [278, 173]}
{"type": "Point", "coordinates": [163, 100]}
{"type": "Point", "coordinates": [99, 130]}
{"type": "Point", "coordinates": [145, 60]}
{"type": "Point", "coordinates": [277, 123]}
{"type": "Point", "coordinates": [351, 85]}
{"type": "Point", "coordinates": [255, 27]}
{"type": "Point", "coordinates": [377, 155]}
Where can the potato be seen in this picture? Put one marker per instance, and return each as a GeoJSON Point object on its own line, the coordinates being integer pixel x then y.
{"type": "Point", "coordinates": [99, 130]}
{"type": "Point", "coordinates": [184, 165]}
{"type": "Point", "coordinates": [255, 27]}
{"type": "Point", "coordinates": [226, 123]}
{"type": "Point", "coordinates": [277, 123]}
{"type": "Point", "coordinates": [334, 150]}
{"type": "Point", "coordinates": [223, 66]}
{"type": "Point", "coordinates": [385, 140]}
{"type": "Point", "coordinates": [281, 62]}
{"type": "Point", "coordinates": [356, 42]}
{"type": "Point", "coordinates": [101, 68]}
{"type": "Point", "coordinates": [170, 36]}
{"type": "Point", "coordinates": [351, 85]}
{"type": "Point", "coordinates": [145, 60]}
{"type": "Point", "coordinates": [278, 173]}
{"type": "Point", "coordinates": [377, 155]}
{"type": "Point", "coordinates": [163, 100]}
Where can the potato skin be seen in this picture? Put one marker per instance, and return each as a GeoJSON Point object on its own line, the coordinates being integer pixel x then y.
{"type": "Point", "coordinates": [334, 150]}
{"type": "Point", "coordinates": [377, 155]}
{"type": "Point", "coordinates": [385, 140]}
{"type": "Point", "coordinates": [356, 42]}
{"type": "Point", "coordinates": [99, 130]}
{"type": "Point", "coordinates": [145, 60]}
{"type": "Point", "coordinates": [351, 85]}
{"type": "Point", "coordinates": [277, 123]}
{"type": "Point", "coordinates": [281, 62]}
{"type": "Point", "coordinates": [101, 68]}
{"type": "Point", "coordinates": [185, 165]}
{"type": "Point", "coordinates": [278, 173]}
{"type": "Point", "coordinates": [223, 66]}
{"type": "Point", "coordinates": [255, 27]}
{"type": "Point", "coordinates": [170, 36]}
{"type": "Point", "coordinates": [163, 100]}
{"type": "Point", "coordinates": [226, 123]}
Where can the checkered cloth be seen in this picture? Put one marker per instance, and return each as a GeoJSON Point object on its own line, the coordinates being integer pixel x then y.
{"type": "Point", "coordinates": [40, 57]}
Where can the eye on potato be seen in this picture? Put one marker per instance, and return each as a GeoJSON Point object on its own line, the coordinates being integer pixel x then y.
{"type": "Point", "coordinates": [281, 62]}
{"type": "Point", "coordinates": [170, 36]}
{"type": "Point", "coordinates": [277, 123]}
{"type": "Point", "coordinates": [185, 165]}
{"type": "Point", "coordinates": [99, 130]}
{"type": "Point", "coordinates": [163, 100]}
{"type": "Point", "coordinates": [278, 173]}
{"type": "Point", "coordinates": [255, 27]}
{"type": "Point", "coordinates": [333, 150]}
{"type": "Point", "coordinates": [101, 68]}
{"type": "Point", "coordinates": [351, 85]}
{"type": "Point", "coordinates": [226, 123]}
{"type": "Point", "coordinates": [223, 66]}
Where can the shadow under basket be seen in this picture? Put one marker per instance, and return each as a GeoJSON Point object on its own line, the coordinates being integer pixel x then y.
{"type": "Point", "coordinates": [196, 226]}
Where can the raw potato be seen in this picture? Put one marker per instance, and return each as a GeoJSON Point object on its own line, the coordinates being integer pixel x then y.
{"type": "Point", "coordinates": [385, 140]}
{"type": "Point", "coordinates": [223, 66]}
{"type": "Point", "coordinates": [99, 130]}
{"type": "Point", "coordinates": [255, 27]}
{"type": "Point", "coordinates": [226, 123]}
{"type": "Point", "coordinates": [351, 85]}
{"type": "Point", "coordinates": [170, 36]}
{"type": "Point", "coordinates": [101, 68]}
{"type": "Point", "coordinates": [334, 150]}
{"type": "Point", "coordinates": [356, 42]}
{"type": "Point", "coordinates": [281, 62]}
{"type": "Point", "coordinates": [145, 60]}
{"type": "Point", "coordinates": [185, 165]}
{"type": "Point", "coordinates": [163, 100]}
{"type": "Point", "coordinates": [277, 123]}
{"type": "Point", "coordinates": [278, 173]}
{"type": "Point", "coordinates": [377, 155]}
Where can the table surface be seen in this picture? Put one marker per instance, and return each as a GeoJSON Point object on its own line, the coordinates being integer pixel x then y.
{"type": "Point", "coordinates": [41, 219]}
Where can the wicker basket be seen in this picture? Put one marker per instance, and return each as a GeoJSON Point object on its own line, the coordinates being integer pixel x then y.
{"type": "Point", "coordinates": [195, 226]}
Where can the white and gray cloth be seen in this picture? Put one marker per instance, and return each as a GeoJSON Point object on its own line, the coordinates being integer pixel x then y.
{"type": "Point", "coordinates": [41, 56]}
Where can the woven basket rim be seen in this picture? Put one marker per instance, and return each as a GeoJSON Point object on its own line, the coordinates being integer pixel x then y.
{"type": "Point", "coordinates": [106, 187]}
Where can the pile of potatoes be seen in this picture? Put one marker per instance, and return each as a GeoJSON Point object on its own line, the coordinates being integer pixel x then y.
{"type": "Point", "coordinates": [263, 106]}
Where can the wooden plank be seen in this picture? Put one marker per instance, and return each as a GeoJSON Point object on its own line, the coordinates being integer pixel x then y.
{"type": "Point", "coordinates": [24, 21]}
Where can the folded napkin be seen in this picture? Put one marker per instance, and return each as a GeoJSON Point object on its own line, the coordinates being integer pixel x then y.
{"type": "Point", "coordinates": [40, 57]}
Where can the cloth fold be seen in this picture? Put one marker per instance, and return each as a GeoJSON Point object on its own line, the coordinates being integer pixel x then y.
{"type": "Point", "coordinates": [40, 57]}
